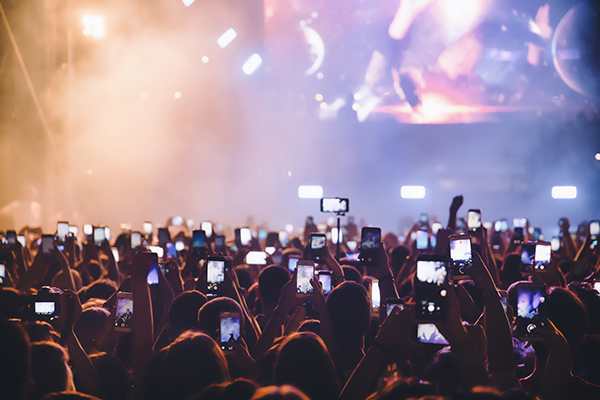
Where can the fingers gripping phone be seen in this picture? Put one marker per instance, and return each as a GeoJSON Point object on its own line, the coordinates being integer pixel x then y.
{"type": "Point", "coordinates": [216, 266]}
{"type": "Point", "coordinates": [430, 292]}
{"type": "Point", "coordinates": [325, 280]}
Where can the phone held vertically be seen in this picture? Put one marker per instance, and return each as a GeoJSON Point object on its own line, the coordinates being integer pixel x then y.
{"type": "Point", "coordinates": [229, 329]}
{"type": "Point", "coordinates": [305, 272]}
{"type": "Point", "coordinates": [370, 240]}
{"type": "Point", "coordinates": [461, 256]}
{"type": "Point", "coordinates": [318, 243]}
{"type": "Point", "coordinates": [216, 266]}
{"type": "Point", "coordinates": [430, 289]}
{"type": "Point", "coordinates": [124, 312]}
{"type": "Point", "coordinates": [531, 310]}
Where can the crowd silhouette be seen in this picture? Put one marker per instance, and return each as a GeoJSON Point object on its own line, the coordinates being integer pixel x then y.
{"type": "Point", "coordinates": [81, 319]}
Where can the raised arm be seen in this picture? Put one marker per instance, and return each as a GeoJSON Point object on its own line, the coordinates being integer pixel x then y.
{"type": "Point", "coordinates": [456, 203]}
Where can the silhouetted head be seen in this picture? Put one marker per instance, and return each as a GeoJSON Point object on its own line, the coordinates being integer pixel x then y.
{"type": "Point", "coordinates": [209, 314]}
{"type": "Point", "coordinates": [349, 310]}
{"type": "Point", "coordinates": [183, 311]}
{"type": "Point", "coordinates": [270, 282]}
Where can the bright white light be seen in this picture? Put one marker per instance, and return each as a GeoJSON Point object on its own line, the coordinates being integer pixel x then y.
{"type": "Point", "coordinates": [334, 235]}
{"type": "Point", "coordinates": [93, 25]}
{"type": "Point", "coordinates": [177, 95]}
{"type": "Point", "coordinates": [289, 228]}
{"type": "Point", "coordinates": [412, 192]}
{"type": "Point", "coordinates": [310, 192]}
{"type": "Point", "coordinates": [564, 192]}
{"type": "Point", "coordinates": [318, 97]}
{"type": "Point", "coordinates": [597, 156]}
{"type": "Point", "coordinates": [205, 59]}
{"type": "Point", "coordinates": [253, 62]}
{"type": "Point", "coordinates": [188, 3]}
{"type": "Point", "coordinates": [226, 38]}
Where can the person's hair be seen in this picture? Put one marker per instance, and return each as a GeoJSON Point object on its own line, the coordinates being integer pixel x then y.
{"type": "Point", "coordinates": [352, 273]}
{"type": "Point", "coordinates": [89, 325]}
{"type": "Point", "coordinates": [568, 314]}
{"type": "Point", "coordinates": [49, 368]}
{"type": "Point", "coordinates": [404, 388]}
{"type": "Point", "coordinates": [284, 392]}
{"type": "Point", "coordinates": [310, 325]}
{"type": "Point", "coordinates": [349, 310]}
{"type": "Point", "coordinates": [67, 395]}
{"type": "Point", "coordinates": [270, 282]}
{"type": "Point", "coordinates": [209, 315]}
{"type": "Point", "coordinates": [114, 382]}
{"type": "Point", "coordinates": [94, 269]}
{"type": "Point", "coordinates": [239, 389]}
{"type": "Point", "coordinates": [244, 276]}
{"type": "Point", "coordinates": [183, 311]}
{"type": "Point", "coordinates": [398, 257]}
{"type": "Point", "coordinates": [15, 360]}
{"type": "Point", "coordinates": [100, 289]}
{"type": "Point", "coordinates": [190, 364]}
{"type": "Point", "coordinates": [511, 270]}
{"type": "Point", "coordinates": [585, 359]}
{"type": "Point", "coordinates": [40, 331]}
{"type": "Point", "coordinates": [591, 301]}
{"type": "Point", "coordinates": [304, 362]}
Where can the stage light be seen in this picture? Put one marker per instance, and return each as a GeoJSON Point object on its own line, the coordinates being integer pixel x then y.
{"type": "Point", "coordinates": [318, 97]}
{"type": "Point", "coordinates": [412, 192]}
{"type": "Point", "coordinates": [188, 3]}
{"type": "Point", "coordinates": [564, 192]}
{"type": "Point", "coordinates": [93, 25]}
{"type": "Point", "coordinates": [226, 38]}
{"type": "Point", "coordinates": [310, 192]}
{"type": "Point", "coordinates": [177, 95]}
{"type": "Point", "coordinates": [597, 156]}
{"type": "Point", "coordinates": [205, 59]}
{"type": "Point", "coordinates": [252, 64]}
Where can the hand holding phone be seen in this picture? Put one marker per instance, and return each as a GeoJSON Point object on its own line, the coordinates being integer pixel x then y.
{"type": "Point", "coordinates": [124, 312]}
{"type": "Point", "coordinates": [305, 271]}
{"type": "Point", "coordinates": [430, 291]}
{"type": "Point", "coordinates": [318, 243]}
{"type": "Point", "coordinates": [370, 240]}
{"type": "Point", "coordinates": [229, 329]}
{"type": "Point", "coordinates": [461, 254]}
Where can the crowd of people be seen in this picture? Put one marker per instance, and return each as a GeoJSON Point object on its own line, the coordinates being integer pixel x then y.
{"type": "Point", "coordinates": [84, 319]}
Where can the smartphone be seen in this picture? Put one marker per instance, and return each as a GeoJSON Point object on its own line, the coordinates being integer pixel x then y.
{"type": "Point", "coordinates": [422, 239]}
{"type": "Point", "coordinates": [47, 245]}
{"type": "Point", "coordinates": [199, 242]}
{"type": "Point", "coordinates": [325, 279]}
{"type": "Point", "coordinates": [219, 243]}
{"type": "Point", "coordinates": [370, 239]}
{"type": "Point", "coordinates": [543, 253]}
{"type": "Point", "coordinates": [136, 240]}
{"type": "Point", "coordinates": [124, 312]}
{"type": "Point", "coordinates": [164, 267]}
{"type": "Point", "coordinates": [229, 329]}
{"type": "Point", "coordinates": [335, 205]}
{"type": "Point", "coordinates": [11, 237]}
{"type": "Point", "coordinates": [2, 273]}
{"type": "Point", "coordinates": [152, 278]}
{"type": "Point", "coordinates": [163, 236]}
{"type": "Point", "coordinates": [317, 241]}
{"type": "Point", "coordinates": [531, 311]}
{"type": "Point", "coordinates": [147, 228]}
{"type": "Point", "coordinates": [207, 227]}
{"type": "Point", "coordinates": [99, 235]}
{"type": "Point", "coordinates": [88, 230]}
{"type": "Point", "coordinates": [518, 236]}
{"type": "Point", "coordinates": [115, 253]}
{"type": "Point", "coordinates": [256, 258]}
{"type": "Point", "coordinates": [306, 271]}
{"type": "Point", "coordinates": [429, 334]}
{"type": "Point", "coordinates": [21, 239]}
{"type": "Point", "coordinates": [215, 271]}
{"type": "Point", "coordinates": [423, 219]}
{"type": "Point", "coordinates": [527, 257]}
{"type": "Point", "coordinates": [594, 229]}
{"type": "Point", "coordinates": [375, 297]}
{"type": "Point", "coordinates": [74, 230]}
{"type": "Point", "coordinates": [597, 286]}
{"type": "Point", "coordinates": [172, 250]}
{"type": "Point", "coordinates": [519, 222]}
{"type": "Point", "coordinates": [62, 230]}
{"type": "Point", "coordinates": [159, 251]}
{"type": "Point", "coordinates": [292, 261]}
{"type": "Point", "coordinates": [537, 233]}
{"type": "Point", "coordinates": [430, 292]}
{"type": "Point", "coordinates": [474, 220]}
{"type": "Point", "coordinates": [45, 308]}
{"type": "Point", "coordinates": [245, 236]}
{"type": "Point", "coordinates": [461, 255]}
{"type": "Point", "coordinates": [392, 302]}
